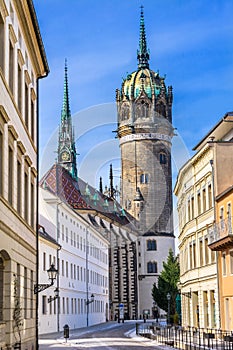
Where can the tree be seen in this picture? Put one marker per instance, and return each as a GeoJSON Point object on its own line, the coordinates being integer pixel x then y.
{"type": "Point", "coordinates": [167, 283]}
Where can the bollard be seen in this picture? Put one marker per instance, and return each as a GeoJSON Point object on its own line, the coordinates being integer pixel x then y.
{"type": "Point", "coordinates": [66, 332]}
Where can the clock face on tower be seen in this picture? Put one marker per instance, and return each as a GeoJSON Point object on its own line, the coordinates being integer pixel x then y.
{"type": "Point", "coordinates": [65, 156]}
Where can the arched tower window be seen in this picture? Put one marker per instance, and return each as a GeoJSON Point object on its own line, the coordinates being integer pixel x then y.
{"type": "Point", "coordinates": [160, 109]}
{"type": "Point", "coordinates": [152, 267]}
{"type": "Point", "coordinates": [162, 158]}
{"type": "Point", "coordinates": [142, 109]}
{"type": "Point", "coordinates": [124, 112]}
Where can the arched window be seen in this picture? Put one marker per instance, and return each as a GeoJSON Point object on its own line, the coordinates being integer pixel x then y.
{"type": "Point", "coordinates": [151, 244]}
{"type": "Point", "coordinates": [152, 267]}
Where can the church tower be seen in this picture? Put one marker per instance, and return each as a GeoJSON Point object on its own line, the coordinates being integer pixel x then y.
{"type": "Point", "coordinates": [145, 131]}
{"type": "Point", "coordinates": [66, 142]}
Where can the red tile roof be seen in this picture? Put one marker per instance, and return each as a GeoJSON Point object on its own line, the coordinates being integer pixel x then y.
{"type": "Point", "coordinates": [81, 196]}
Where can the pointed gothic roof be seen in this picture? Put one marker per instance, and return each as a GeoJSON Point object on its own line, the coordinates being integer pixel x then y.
{"type": "Point", "coordinates": [65, 114]}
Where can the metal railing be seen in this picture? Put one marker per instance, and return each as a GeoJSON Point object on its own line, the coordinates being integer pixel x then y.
{"type": "Point", "coordinates": [221, 229]}
{"type": "Point", "coordinates": [190, 338]}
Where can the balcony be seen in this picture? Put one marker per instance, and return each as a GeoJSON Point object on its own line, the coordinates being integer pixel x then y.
{"type": "Point", "coordinates": [221, 235]}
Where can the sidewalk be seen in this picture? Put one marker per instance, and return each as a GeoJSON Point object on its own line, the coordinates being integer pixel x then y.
{"type": "Point", "coordinates": [76, 333]}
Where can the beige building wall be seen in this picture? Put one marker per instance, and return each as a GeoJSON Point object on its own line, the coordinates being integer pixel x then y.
{"type": "Point", "coordinates": [198, 279]}
{"type": "Point", "coordinates": [22, 62]}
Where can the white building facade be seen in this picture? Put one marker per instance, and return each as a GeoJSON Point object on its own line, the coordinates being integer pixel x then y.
{"type": "Point", "coordinates": [82, 263]}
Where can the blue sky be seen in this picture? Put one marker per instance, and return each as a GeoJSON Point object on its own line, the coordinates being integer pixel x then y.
{"type": "Point", "coordinates": [190, 41]}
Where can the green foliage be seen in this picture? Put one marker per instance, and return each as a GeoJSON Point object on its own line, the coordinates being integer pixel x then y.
{"type": "Point", "coordinates": [176, 319]}
{"type": "Point", "coordinates": [167, 283]}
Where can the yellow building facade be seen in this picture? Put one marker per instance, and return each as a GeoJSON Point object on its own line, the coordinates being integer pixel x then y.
{"type": "Point", "coordinates": [203, 207]}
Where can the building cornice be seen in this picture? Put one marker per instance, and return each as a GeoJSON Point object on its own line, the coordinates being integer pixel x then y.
{"type": "Point", "coordinates": [30, 27]}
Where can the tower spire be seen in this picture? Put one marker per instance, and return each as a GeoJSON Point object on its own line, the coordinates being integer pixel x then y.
{"type": "Point", "coordinates": [65, 114]}
{"type": "Point", "coordinates": [66, 142]}
{"type": "Point", "coordinates": [143, 53]}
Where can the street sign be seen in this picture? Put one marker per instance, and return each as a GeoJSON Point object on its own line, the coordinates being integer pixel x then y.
{"type": "Point", "coordinates": [121, 311]}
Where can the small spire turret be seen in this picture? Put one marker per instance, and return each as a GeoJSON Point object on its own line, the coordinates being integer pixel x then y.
{"type": "Point", "coordinates": [111, 182]}
{"type": "Point", "coordinates": [143, 53]}
{"type": "Point", "coordinates": [101, 185]}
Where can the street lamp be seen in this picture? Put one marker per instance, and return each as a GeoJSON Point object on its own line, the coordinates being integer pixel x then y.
{"type": "Point", "coordinates": [89, 301]}
{"type": "Point", "coordinates": [56, 293]}
{"type": "Point", "coordinates": [168, 308]}
{"type": "Point", "coordinates": [52, 273]}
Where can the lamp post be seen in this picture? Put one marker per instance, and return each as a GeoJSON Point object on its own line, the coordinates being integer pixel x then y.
{"type": "Point", "coordinates": [89, 301]}
{"type": "Point", "coordinates": [168, 308]}
{"type": "Point", "coordinates": [52, 273]}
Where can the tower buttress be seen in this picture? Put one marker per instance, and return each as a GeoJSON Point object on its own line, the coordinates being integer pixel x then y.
{"type": "Point", "coordinates": [66, 140]}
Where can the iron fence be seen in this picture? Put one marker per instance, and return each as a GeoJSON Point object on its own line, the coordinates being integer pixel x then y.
{"type": "Point", "coordinates": [190, 338]}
